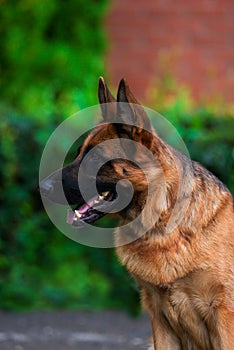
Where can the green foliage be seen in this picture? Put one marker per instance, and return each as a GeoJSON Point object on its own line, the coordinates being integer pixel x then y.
{"type": "Point", "coordinates": [51, 57]}
{"type": "Point", "coordinates": [51, 54]}
{"type": "Point", "coordinates": [41, 268]}
{"type": "Point", "coordinates": [207, 129]}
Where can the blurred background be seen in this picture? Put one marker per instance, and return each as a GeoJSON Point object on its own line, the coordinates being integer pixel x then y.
{"type": "Point", "coordinates": [178, 58]}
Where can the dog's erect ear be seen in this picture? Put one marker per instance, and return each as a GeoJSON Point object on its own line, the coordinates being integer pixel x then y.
{"type": "Point", "coordinates": [130, 111]}
{"type": "Point", "coordinates": [107, 101]}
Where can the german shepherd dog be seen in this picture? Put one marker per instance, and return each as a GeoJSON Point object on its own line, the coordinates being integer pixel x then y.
{"type": "Point", "coordinates": [186, 276]}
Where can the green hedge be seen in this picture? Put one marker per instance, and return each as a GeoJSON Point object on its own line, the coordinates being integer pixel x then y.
{"type": "Point", "coordinates": [210, 141]}
{"type": "Point", "coordinates": [40, 268]}
{"type": "Point", "coordinates": [206, 126]}
{"type": "Point", "coordinates": [51, 56]}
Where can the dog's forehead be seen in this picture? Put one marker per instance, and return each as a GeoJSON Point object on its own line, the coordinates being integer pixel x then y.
{"type": "Point", "coordinates": [101, 133]}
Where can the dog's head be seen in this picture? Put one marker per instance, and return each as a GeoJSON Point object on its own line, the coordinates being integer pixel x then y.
{"type": "Point", "coordinates": [117, 147]}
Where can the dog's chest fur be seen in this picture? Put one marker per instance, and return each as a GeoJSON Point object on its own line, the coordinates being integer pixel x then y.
{"type": "Point", "coordinates": [187, 308]}
{"type": "Point", "coordinates": [181, 295]}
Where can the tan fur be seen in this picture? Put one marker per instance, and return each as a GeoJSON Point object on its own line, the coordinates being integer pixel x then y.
{"type": "Point", "coordinates": [186, 277]}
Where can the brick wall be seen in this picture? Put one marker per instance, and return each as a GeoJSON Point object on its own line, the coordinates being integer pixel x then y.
{"type": "Point", "coordinates": [193, 39]}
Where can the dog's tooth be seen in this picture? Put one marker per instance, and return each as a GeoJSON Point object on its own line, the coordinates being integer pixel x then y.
{"type": "Point", "coordinates": [97, 200]}
{"type": "Point", "coordinates": [79, 215]}
{"type": "Point", "coordinates": [104, 194]}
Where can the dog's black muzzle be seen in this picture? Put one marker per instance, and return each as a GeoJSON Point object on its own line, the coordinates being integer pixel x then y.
{"type": "Point", "coordinates": [62, 186]}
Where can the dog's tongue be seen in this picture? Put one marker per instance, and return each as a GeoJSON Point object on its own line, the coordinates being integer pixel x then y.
{"type": "Point", "coordinates": [85, 207]}
{"type": "Point", "coordinates": [88, 205]}
{"type": "Point", "coordinates": [71, 215]}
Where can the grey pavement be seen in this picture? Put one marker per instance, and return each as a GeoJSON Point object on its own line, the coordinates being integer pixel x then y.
{"type": "Point", "coordinates": [73, 330]}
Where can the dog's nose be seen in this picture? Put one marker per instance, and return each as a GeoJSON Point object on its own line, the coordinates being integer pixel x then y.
{"type": "Point", "coordinates": [51, 187]}
{"type": "Point", "coordinates": [46, 187]}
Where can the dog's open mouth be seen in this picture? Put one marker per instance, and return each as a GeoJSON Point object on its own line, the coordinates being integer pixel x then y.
{"type": "Point", "coordinates": [91, 211]}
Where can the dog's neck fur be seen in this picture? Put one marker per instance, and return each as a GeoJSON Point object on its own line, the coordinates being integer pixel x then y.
{"type": "Point", "coordinates": [180, 187]}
